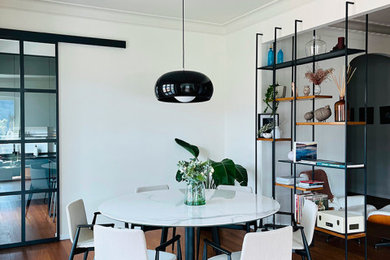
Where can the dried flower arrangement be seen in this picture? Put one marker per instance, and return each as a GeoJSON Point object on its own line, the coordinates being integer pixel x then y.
{"type": "Point", "coordinates": [318, 76]}
{"type": "Point", "coordinates": [340, 81]}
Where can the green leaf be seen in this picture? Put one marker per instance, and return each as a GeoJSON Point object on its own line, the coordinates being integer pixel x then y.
{"type": "Point", "coordinates": [179, 176]}
{"type": "Point", "coordinates": [241, 175]}
{"type": "Point", "coordinates": [194, 150]}
{"type": "Point", "coordinates": [224, 172]}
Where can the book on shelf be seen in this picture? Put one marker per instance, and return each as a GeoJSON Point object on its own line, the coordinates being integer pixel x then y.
{"type": "Point", "coordinates": [305, 151]}
{"type": "Point", "coordinates": [321, 200]}
{"type": "Point", "coordinates": [338, 164]}
{"type": "Point", "coordinates": [288, 180]}
{"type": "Point", "coordinates": [308, 186]}
{"type": "Point", "coordinates": [312, 183]}
{"type": "Point", "coordinates": [308, 162]}
{"type": "Point", "coordinates": [327, 163]}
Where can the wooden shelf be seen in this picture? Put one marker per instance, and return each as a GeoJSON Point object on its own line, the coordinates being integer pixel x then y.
{"type": "Point", "coordinates": [311, 59]}
{"type": "Point", "coordinates": [303, 98]}
{"type": "Point", "coordinates": [330, 123]}
{"type": "Point", "coordinates": [276, 140]}
{"type": "Point", "coordinates": [298, 188]}
{"type": "Point", "coordinates": [350, 236]}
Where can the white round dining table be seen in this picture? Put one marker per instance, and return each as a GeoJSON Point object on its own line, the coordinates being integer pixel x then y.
{"type": "Point", "coordinates": [166, 208]}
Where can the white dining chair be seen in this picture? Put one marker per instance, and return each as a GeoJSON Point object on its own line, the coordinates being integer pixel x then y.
{"type": "Point", "coordinates": [239, 226]}
{"type": "Point", "coordinates": [81, 233]}
{"type": "Point", "coordinates": [269, 245]}
{"type": "Point", "coordinates": [303, 234]}
{"type": "Point", "coordinates": [164, 230]}
{"type": "Point", "coordinates": [125, 244]}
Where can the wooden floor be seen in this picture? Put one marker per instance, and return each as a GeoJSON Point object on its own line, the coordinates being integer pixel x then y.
{"type": "Point", "coordinates": [230, 239]}
{"type": "Point", "coordinates": [39, 224]}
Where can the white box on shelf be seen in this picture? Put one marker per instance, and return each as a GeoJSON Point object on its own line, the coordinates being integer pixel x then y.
{"type": "Point", "coordinates": [333, 220]}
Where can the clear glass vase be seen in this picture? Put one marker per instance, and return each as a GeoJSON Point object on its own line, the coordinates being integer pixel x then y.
{"type": "Point", "coordinates": [195, 194]}
{"type": "Point", "coordinates": [317, 89]}
{"type": "Point", "coordinates": [315, 46]}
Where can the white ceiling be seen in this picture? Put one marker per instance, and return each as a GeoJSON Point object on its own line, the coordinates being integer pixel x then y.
{"type": "Point", "coordinates": [220, 12]}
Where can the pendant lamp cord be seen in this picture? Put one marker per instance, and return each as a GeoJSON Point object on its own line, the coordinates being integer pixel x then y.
{"type": "Point", "coordinates": [182, 6]}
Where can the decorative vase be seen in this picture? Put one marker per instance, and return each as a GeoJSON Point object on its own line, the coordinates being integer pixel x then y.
{"type": "Point", "coordinates": [317, 89]}
{"type": "Point", "coordinates": [277, 133]}
{"type": "Point", "coordinates": [315, 46]}
{"type": "Point", "coordinates": [195, 194]}
{"type": "Point", "coordinates": [339, 110]}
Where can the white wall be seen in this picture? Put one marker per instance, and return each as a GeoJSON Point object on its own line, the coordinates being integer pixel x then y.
{"type": "Point", "coordinates": [114, 134]}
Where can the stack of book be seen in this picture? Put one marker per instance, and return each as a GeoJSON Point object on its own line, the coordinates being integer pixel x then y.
{"type": "Point", "coordinates": [321, 200]}
{"type": "Point", "coordinates": [288, 180]}
{"type": "Point", "coordinates": [311, 184]}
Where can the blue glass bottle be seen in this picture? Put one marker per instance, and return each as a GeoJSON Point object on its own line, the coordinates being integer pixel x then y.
{"type": "Point", "coordinates": [270, 56]}
{"type": "Point", "coordinates": [280, 56]}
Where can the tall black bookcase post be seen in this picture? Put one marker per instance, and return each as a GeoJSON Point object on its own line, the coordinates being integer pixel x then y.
{"type": "Point", "coordinates": [346, 132]}
{"type": "Point", "coordinates": [274, 115]}
{"type": "Point", "coordinates": [295, 56]}
{"type": "Point", "coordinates": [365, 139]}
{"type": "Point", "coordinates": [256, 97]}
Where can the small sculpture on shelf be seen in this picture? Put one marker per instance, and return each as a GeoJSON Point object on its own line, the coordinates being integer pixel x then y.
{"type": "Point", "coordinates": [323, 113]}
{"type": "Point", "coordinates": [340, 44]}
{"type": "Point", "coordinates": [306, 90]}
{"type": "Point", "coordinates": [309, 116]}
{"type": "Point", "coordinates": [293, 89]}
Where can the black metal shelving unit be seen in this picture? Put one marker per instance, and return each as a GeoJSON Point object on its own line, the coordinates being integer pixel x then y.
{"type": "Point", "coordinates": [293, 64]}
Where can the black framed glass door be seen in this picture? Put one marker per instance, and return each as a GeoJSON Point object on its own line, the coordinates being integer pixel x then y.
{"type": "Point", "coordinates": [29, 187]}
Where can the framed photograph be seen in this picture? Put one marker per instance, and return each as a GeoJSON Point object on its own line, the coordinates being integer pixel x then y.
{"type": "Point", "coordinates": [266, 118]}
{"type": "Point", "coordinates": [385, 115]}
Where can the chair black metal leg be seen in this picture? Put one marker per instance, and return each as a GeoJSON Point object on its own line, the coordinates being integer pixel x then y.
{"type": "Point", "coordinates": [173, 235]}
{"type": "Point", "coordinates": [303, 257]}
{"type": "Point", "coordinates": [86, 255]}
{"type": "Point", "coordinates": [197, 242]}
{"type": "Point", "coordinates": [72, 252]}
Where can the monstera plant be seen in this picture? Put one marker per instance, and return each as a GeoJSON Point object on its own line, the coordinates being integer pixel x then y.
{"type": "Point", "coordinates": [225, 172]}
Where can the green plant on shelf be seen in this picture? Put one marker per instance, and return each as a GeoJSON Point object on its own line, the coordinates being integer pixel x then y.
{"type": "Point", "coordinates": [269, 98]}
{"type": "Point", "coordinates": [267, 128]}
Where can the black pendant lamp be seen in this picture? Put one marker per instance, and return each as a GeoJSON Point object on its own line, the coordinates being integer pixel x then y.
{"type": "Point", "coordinates": [183, 86]}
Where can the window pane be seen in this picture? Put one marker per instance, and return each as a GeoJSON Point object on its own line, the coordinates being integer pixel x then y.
{"type": "Point", "coordinates": [40, 222]}
{"type": "Point", "coordinates": [41, 166]}
{"type": "Point", "coordinates": [40, 115]}
{"type": "Point", "coordinates": [9, 64]}
{"type": "Point", "coordinates": [10, 215]}
{"type": "Point", "coordinates": [10, 177]}
{"type": "Point", "coordinates": [39, 66]}
{"type": "Point", "coordinates": [9, 116]}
